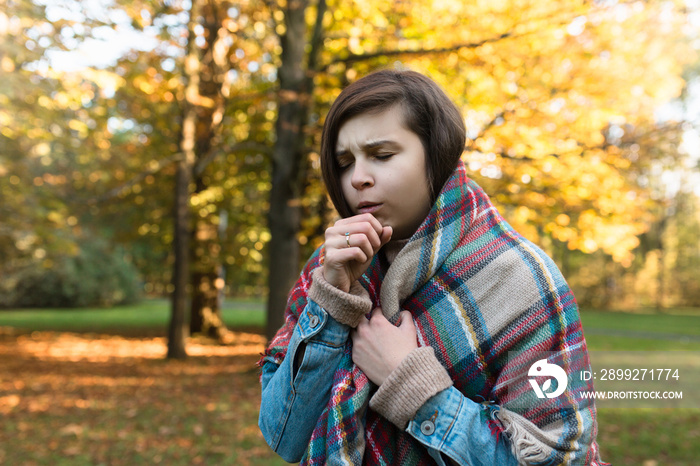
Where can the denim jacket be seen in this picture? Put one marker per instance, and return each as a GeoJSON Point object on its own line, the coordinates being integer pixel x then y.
{"type": "Point", "coordinates": [295, 393]}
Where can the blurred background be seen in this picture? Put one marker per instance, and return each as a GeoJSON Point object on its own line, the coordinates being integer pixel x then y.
{"type": "Point", "coordinates": [160, 191]}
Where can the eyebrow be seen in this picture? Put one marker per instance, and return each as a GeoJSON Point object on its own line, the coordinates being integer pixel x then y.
{"type": "Point", "coordinates": [368, 146]}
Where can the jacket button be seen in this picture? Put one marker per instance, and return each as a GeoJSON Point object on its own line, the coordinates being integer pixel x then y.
{"type": "Point", "coordinates": [427, 427]}
{"type": "Point", "coordinates": [313, 321]}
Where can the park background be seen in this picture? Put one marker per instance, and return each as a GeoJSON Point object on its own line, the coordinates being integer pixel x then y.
{"type": "Point", "coordinates": [160, 191]}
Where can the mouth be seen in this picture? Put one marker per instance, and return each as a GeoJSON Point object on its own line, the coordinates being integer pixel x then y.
{"type": "Point", "coordinates": [368, 207]}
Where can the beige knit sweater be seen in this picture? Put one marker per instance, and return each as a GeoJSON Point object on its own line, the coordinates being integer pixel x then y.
{"type": "Point", "coordinates": [417, 378]}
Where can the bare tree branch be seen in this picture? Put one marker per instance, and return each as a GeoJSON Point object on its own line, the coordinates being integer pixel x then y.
{"type": "Point", "coordinates": [316, 38]}
{"type": "Point", "coordinates": [556, 19]}
{"type": "Point", "coordinates": [500, 115]}
{"type": "Point", "coordinates": [355, 57]}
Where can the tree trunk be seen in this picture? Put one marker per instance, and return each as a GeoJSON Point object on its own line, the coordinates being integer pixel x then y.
{"type": "Point", "coordinates": [177, 329]}
{"type": "Point", "coordinates": [289, 156]}
{"type": "Point", "coordinates": [284, 216]}
{"type": "Point", "coordinates": [660, 277]}
{"type": "Point", "coordinates": [207, 285]}
{"type": "Point", "coordinates": [661, 271]}
{"type": "Point", "coordinates": [207, 270]}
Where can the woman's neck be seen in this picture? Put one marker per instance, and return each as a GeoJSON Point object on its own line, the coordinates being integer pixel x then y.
{"type": "Point", "coordinates": [392, 249]}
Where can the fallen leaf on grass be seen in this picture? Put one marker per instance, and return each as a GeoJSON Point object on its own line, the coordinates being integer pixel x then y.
{"type": "Point", "coordinates": [71, 451]}
{"type": "Point", "coordinates": [72, 429]}
{"type": "Point", "coordinates": [8, 402]}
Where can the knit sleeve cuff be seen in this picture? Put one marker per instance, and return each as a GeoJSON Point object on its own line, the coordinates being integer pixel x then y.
{"type": "Point", "coordinates": [417, 378]}
{"type": "Point", "coordinates": [346, 308]}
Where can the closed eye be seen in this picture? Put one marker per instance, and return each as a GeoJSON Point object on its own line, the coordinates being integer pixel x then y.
{"type": "Point", "coordinates": [344, 162]}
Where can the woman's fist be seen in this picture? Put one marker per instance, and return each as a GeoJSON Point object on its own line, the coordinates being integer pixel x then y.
{"type": "Point", "coordinates": [378, 346]}
{"type": "Point", "coordinates": [350, 246]}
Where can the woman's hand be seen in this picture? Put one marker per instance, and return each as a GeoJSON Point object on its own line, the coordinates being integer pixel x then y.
{"type": "Point", "coordinates": [378, 346]}
{"type": "Point", "coordinates": [344, 264]}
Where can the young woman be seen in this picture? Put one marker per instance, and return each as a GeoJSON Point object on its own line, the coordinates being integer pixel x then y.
{"type": "Point", "coordinates": [415, 333]}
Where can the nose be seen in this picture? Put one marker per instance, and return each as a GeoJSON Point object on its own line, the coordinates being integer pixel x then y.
{"type": "Point", "coordinates": [361, 175]}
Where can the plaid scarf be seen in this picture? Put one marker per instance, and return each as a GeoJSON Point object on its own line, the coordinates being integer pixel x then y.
{"type": "Point", "coordinates": [479, 294]}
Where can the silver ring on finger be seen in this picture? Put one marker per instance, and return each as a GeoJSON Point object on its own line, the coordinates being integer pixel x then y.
{"type": "Point", "coordinates": [347, 238]}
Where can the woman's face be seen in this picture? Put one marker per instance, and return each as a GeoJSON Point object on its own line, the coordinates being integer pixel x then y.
{"type": "Point", "coordinates": [384, 170]}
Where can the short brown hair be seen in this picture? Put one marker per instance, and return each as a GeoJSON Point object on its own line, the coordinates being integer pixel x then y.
{"type": "Point", "coordinates": [427, 112]}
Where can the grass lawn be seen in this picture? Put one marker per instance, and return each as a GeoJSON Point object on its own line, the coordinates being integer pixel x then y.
{"type": "Point", "coordinates": [680, 322]}
{"type": "Point", "coordinates": [618, 331]}
{"type": "Point", "coordinates": [646, 437]}
{"type": "Point", "coordinates": [149, 316]}
{"type": "Point", "coordinates": [92, 387]}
